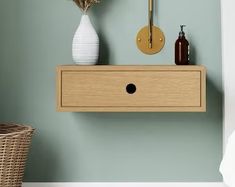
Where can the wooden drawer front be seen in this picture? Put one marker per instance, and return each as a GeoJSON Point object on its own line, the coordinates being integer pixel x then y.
{"type": "Point", "coordinates": [154, 88]}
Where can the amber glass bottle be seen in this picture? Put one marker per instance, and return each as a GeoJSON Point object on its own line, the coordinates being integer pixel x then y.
{"type": "Point", "coordinates": [182, 49]}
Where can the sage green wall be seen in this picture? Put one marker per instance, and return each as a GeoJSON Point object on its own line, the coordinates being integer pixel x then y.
{"type": "Point", "coordinates": [36, 36]}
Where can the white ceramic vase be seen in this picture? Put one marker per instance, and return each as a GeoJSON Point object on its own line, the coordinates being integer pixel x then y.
{"type": "Point", "coordinates": [85, 47]}
{"type": "Point", "coordinates": [227, 167]}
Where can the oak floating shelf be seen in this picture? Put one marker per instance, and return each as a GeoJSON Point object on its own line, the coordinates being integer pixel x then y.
{"type": "Point", "coordinates": [131, 88]}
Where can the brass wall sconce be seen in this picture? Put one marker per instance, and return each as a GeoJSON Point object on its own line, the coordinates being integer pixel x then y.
{"type": "Point", "coordinates": [150, 39]}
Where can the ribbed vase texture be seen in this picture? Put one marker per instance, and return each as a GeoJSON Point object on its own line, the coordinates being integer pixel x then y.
{"type": "Point", "coordinates": [85, 43]}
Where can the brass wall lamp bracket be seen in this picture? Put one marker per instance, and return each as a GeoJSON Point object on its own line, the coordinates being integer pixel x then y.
{"type": "Point", "coordinates": [150, 39]}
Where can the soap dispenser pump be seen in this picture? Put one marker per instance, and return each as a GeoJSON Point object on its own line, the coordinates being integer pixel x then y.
{"type": "Point", "coordinates": [182, 49]}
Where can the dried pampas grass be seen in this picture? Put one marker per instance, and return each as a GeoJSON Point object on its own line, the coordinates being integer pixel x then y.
{"type": "Point", "coordinates": [84, 5]}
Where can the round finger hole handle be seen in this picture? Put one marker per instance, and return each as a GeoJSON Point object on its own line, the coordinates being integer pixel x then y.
{"type": "Point", "coordinates": [131, 88]}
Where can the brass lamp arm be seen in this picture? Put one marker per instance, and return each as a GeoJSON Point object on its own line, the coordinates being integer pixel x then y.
{"type": "Point", "coordinates": [150, 23]}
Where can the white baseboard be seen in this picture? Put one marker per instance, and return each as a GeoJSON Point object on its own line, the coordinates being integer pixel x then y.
{"type": "Point", "coordinates": [123, 185]}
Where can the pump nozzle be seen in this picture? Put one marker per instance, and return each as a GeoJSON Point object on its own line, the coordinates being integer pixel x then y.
{"type": "Point", "coordinates": [182, 27]}
{"type": "Point", "coordinates": [182, 30]}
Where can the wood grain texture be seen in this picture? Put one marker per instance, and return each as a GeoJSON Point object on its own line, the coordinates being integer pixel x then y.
{"type": "Point", "coordinates": [158, 88]}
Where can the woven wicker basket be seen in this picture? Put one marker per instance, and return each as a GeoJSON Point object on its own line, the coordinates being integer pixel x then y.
{"type": "Point", "coordinates": [14, 144]}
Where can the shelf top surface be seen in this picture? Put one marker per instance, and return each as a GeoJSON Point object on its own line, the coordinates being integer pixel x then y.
{"type": "Point", "coordinates": [132, 67]}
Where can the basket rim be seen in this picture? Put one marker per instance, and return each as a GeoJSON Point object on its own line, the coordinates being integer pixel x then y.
{"type": "Point", "coordinates": [27, 129]}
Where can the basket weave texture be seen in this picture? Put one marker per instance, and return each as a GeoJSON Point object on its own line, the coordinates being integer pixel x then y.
{"type": "Point", "coordinates": [15, 140]}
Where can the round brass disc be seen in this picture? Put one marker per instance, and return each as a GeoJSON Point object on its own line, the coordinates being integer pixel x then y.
{"type": "Point", "coordinates": [158, 41]}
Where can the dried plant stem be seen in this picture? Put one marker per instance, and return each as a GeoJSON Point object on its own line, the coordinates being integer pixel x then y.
{"type": "Point", "coordinates": [85, 5]}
